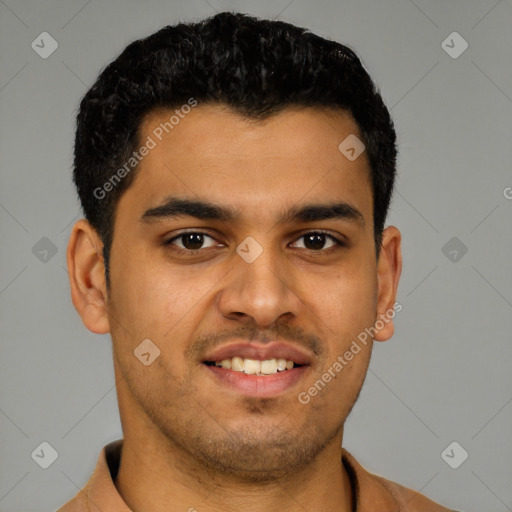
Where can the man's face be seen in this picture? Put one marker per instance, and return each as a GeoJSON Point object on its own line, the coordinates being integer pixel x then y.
{"type": "Point", "coordinates": [304, 292]}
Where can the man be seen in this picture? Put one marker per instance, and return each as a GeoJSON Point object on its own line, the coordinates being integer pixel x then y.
{"type": "Point", "coordinates": [235, 176]}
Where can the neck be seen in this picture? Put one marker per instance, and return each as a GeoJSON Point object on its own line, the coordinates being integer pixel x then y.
{"type": "Point", "coordinates": [161, 477]}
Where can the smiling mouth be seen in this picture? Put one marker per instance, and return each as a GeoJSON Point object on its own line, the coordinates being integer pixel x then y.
{"type": "Point", "coordinates": [255, 366]}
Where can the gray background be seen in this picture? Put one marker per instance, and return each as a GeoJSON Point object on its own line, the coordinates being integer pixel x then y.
{"type": "Point", "coordinates": [445, 375]}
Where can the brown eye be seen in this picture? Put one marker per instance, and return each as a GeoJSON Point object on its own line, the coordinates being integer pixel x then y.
{"type": "Point", "coordinates": [315, 241]}
{"type": "Point", "coordinates": [190, 242]}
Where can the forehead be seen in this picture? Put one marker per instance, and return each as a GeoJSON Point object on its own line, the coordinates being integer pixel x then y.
{"type": "Point", "coordinates": [214, 153]}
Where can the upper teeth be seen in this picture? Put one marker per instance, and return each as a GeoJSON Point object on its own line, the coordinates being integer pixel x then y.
{"type": "Point", "coordinates": [253, 366]}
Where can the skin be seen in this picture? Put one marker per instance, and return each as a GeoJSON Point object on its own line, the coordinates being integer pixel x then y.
{"type": "Point", "coordinates": [189, 441]}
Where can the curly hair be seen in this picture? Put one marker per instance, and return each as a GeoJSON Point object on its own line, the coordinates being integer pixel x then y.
{"type": "Point", "coordinates": [257, 67]}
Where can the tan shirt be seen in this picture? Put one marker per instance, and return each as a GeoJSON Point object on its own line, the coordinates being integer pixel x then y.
{"type": "Point", "coordinates": [372, 493]}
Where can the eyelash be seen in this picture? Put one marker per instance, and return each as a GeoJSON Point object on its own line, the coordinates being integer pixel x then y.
{"type": "Point", "coordinates": [190, 252]}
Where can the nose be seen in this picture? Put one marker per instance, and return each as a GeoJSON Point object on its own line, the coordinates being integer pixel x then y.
{"type": "Point", "coordinates": [260, 291]}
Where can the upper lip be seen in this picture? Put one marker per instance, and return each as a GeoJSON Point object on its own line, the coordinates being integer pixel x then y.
{"type": "Point", "coordinates": [255, 350]}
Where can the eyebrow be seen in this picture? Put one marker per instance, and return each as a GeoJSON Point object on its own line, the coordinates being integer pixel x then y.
{"type": "Point", "coordinates": [175, 207]}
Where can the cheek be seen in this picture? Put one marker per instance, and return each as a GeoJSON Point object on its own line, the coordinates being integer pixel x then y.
{"type": "Point", "coordinates": [145, 290]}
{"type": "Point", "coordinates": [347, 302]}
{"type": "Point", "coordinates": [159, 301]}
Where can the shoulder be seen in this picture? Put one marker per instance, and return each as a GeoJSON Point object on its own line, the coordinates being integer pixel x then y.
{"type": "Point", "coordinates": [376, 492]}
{"type": "Point", "coordinates": [410, 500]}
{"type": "Point", "coordinates": [100, 492]}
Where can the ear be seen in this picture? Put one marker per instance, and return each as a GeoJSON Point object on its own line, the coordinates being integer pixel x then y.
{"type": "Point", "coordinates": [389, 268]}
{"type": "Point", "coordinates": [87, 277]}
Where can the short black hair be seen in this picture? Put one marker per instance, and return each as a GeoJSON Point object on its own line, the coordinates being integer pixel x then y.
{"type": "Point", "coordinates": [257, 67]}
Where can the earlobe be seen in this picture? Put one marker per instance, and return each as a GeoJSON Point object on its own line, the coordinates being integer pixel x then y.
{"type": "Point", "coordinates": [87, 277]}
{"type": "Point", "coordinates": [389, 268]}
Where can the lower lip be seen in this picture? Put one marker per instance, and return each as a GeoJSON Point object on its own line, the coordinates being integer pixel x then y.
{"type": "Point", "coordinates": [257, 385]}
